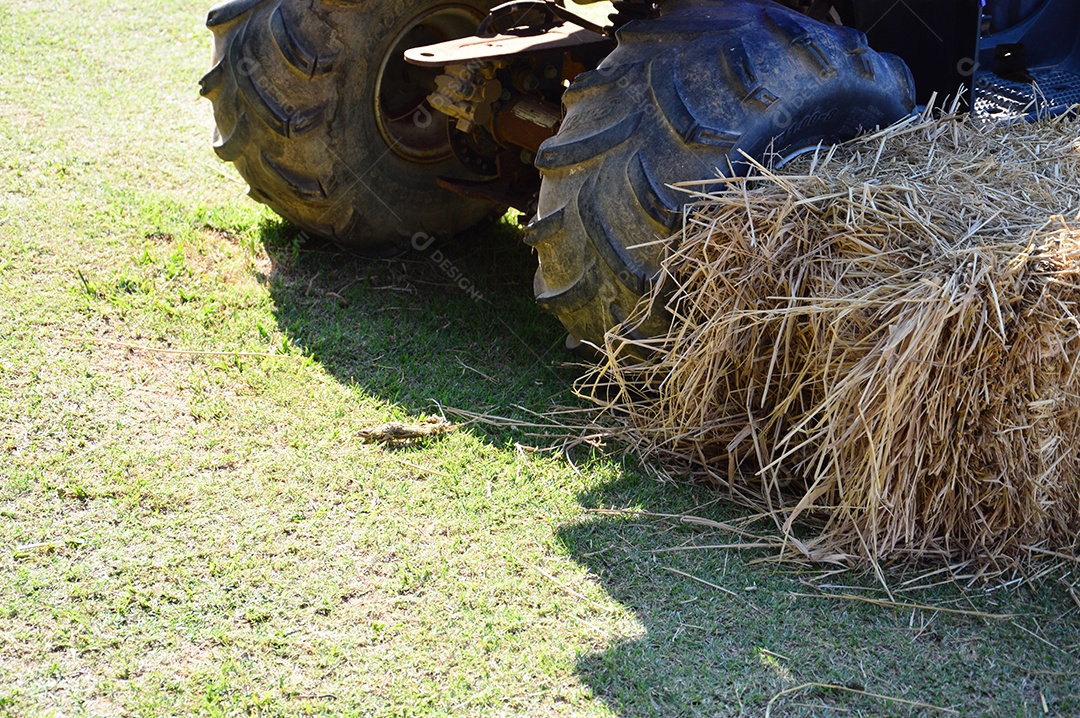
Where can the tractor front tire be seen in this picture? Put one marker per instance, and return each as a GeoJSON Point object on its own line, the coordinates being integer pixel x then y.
{"type": "Point", "coordinates": [682, 98]}
{"type": "Point", "coordinates": [317, 109]}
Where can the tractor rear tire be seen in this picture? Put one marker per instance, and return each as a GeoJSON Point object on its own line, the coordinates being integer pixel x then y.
{"type": "Point", "coordinates": [681, 99]}
{"type": "Point", "coordinates": [318, 111]}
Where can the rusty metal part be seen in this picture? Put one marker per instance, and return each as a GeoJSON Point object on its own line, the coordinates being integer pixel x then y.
{"type": "Point", "coordinates": [477, 151]}
{"type": "Point", "coordinates": [467, 92]}
{"type": "Point", "coordinates": [526, 122]}
{"type": "Point", "coordinates": [500, 47]}
{"type": "Point", "coordinates": [517, 185]}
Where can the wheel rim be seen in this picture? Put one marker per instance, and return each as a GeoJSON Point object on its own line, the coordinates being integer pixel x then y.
{"type": "Point", "coordinates": [410, 128]}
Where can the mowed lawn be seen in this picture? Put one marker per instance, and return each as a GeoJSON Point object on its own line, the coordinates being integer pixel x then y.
{"type": "Point", "coordinates": [190, 523]}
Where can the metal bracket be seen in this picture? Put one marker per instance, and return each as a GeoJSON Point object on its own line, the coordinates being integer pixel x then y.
{"type": "Point", "coordinates": [489, 49]}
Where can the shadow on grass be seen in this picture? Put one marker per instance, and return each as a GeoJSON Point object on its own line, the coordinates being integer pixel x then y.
{"type": "Point", "coordinates": [723, 632]}
{"type": "Point", "coordinates": [455, 325]}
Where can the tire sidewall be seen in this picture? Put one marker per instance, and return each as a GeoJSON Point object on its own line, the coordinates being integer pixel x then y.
{"type": "Point", "coordinates": [825, 117]}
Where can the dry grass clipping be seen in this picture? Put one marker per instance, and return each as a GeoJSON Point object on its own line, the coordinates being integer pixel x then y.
{"type": "Point", "coordinates": [397, 432]}
{"type": "Point", "coordinates": [882, 342]}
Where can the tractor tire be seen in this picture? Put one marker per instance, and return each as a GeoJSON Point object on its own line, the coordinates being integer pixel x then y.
{"type": "Point", "coordinates": [680, 99]}
{"type": "Point", "coordinates": [317, 109]}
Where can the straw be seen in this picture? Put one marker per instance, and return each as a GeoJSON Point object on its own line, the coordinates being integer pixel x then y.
{"type": "Point", "coordinates": [878, 346]}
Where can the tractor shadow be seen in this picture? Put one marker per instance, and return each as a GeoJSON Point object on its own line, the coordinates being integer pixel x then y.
{"type": "Point", "coordinates": [696, 649]}
{"type": "Point", "coordinates": [451, 325]}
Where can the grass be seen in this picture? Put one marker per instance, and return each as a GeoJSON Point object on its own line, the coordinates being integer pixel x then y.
{"type": "Point", "coordinates": [205, 534]}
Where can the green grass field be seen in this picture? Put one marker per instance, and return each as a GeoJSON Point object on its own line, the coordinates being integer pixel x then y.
{"type": "Point", "coordinates": [190, 524]}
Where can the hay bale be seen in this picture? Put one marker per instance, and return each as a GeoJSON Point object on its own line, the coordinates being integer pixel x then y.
{"type": "Point", "coordinates": [883, 343]}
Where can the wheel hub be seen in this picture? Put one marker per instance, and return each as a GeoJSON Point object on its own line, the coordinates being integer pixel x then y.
{"type": "Point", "coordinates": [411, 129]}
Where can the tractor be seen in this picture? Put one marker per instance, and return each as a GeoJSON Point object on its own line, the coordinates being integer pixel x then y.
{"type": "Point", "coordinates": [372, 123]}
